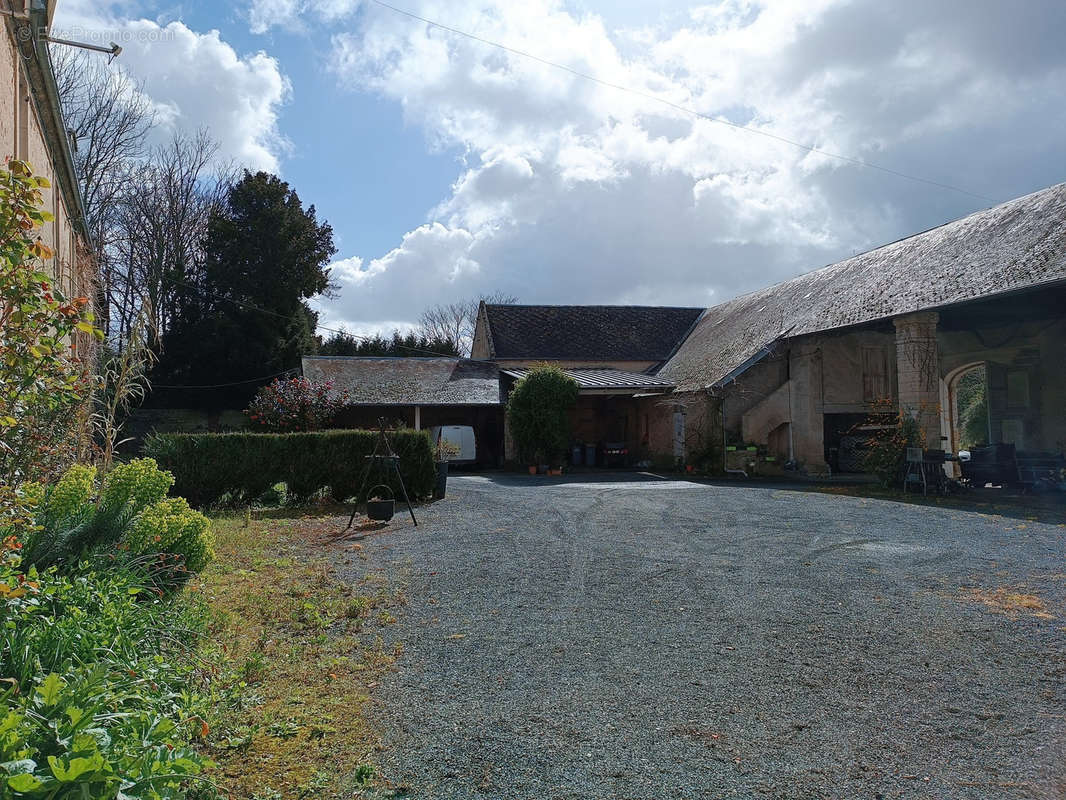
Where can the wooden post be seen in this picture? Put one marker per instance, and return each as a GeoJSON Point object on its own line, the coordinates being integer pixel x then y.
{"type": "Point", "coordinates": [418, 418]}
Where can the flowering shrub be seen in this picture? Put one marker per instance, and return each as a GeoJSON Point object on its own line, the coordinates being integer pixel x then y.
{"type": "Point", "coordinates": [295, 404]}
{"type": "Point", "coordinates": [129, 511]}
{"type": "Point", "coordinates": [44, 379]}
{"type": "Point", "coordinates": [138, 483]}
{"type": "Point", "coordinates": [71, 493]}
{"type": "Point", "coordinates": [170, 526]}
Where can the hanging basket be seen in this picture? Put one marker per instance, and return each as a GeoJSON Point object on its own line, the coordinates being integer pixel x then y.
{"type": "Point", "coordinates": [380, 510]}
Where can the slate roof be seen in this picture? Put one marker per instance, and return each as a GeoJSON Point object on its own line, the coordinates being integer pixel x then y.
{"type": "Point", "coordinates": [408, 381]}
{"type": "Point", "coordinates": [587, 333]}
{"type": "Point", "coordinates": [1016, 245]}
{"type": "Point", "coordinates": [605, 379]}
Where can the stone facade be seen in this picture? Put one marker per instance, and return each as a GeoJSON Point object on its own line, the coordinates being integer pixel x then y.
{"type": "Point", "coordinates": [918, 372]}
{"type": "Point", "coordinates": [32, 130]}
{"type": "Point", "coordinates": [802, 398]}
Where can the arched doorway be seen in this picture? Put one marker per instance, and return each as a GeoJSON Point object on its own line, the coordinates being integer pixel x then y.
{"type": "Point", "coordinates": [967, 406]}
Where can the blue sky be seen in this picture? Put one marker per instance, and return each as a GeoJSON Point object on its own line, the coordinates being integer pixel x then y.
{"type": "Point", "coordinates": [449, 168]}
{"type": "Point", "coordinates": [390, 176]}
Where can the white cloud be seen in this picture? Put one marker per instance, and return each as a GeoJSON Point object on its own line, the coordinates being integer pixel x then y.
{"type": "Point", "coordinates": [194, 79]}
{"type": "Point", "coordinates": [293, 15]}
{"type": "Point", "coordinates": [572, 191]}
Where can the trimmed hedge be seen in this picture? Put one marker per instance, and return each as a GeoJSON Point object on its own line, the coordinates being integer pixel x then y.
{"type": "Point", "coordinates": [209, 466]}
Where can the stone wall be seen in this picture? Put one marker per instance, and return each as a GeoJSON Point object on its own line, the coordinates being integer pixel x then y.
{"type": "Point", "coordinates": [22, 137]}
{"type": "Point", "coordinates": [701, 426]}
{"type": "Point", "coordinates": [918, 372]}
{"type": "Point", "coordinates": [145, 421]}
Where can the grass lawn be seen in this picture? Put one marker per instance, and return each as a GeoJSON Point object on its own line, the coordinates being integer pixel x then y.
{"type": "Point", "coordinates": [300, 650]}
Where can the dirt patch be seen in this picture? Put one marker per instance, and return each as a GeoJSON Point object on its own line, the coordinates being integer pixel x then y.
{"type": "Point", "coordinates": [1008, 601]}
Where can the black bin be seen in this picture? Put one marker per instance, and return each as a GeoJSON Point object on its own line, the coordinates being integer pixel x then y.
{"type": "Point", "coordinates": [380, 509]}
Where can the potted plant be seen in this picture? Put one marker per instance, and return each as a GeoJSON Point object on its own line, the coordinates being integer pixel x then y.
{"type": "Point", "coordinates": [445, 452]}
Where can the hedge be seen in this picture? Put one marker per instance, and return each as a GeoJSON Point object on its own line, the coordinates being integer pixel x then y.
{"type": "Point", "coordinates": [209, 466]}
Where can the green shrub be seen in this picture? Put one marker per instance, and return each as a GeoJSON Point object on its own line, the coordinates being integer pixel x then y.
{"type": "Point", "coordinates": [170, 526]}
{"type": "Point", "coordinates": [127, 512]}
{"type": "Point", "coordinates": [886, 453]}
{"type": "Point", "coordinates": [538, 413]}
{"type": "Point", "coordinates": [97, 704]}
{"type": "Point", "coordinates": [243, 466]}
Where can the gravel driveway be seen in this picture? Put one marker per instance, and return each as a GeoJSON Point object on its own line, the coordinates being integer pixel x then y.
{"type": "Point", "coordinates": [632, 638]}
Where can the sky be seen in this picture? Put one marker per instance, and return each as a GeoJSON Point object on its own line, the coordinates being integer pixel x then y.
{"type": "Point", "coordinates": [449, 167]}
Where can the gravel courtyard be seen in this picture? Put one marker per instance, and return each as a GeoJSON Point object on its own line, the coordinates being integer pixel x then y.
{"type": "Point", "coordinates": [635, 638]}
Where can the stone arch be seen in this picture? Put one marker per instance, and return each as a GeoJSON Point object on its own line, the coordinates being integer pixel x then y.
{"type": "Point", "coordinates": [952, 421]}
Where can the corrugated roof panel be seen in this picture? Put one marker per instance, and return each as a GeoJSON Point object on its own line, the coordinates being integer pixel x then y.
{"type": "Point", "coordinates": [604, 378]}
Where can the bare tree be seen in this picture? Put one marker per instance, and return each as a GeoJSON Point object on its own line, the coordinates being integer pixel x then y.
{"type": "Point", "coordinates": [455, 322]}
{"type": "Point", "coordinates": [162, 222]}
{"type": "Point", "coordinates": [109, 118]}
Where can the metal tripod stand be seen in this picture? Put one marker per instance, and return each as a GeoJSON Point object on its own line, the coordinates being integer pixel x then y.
{"type": "Point", "coordinates": [382, 454]}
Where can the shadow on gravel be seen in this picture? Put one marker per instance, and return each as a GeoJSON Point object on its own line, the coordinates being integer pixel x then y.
{"type": "Point", "coordinates": [519, 480]}
{"type": "Point", "coordinates": [1049, 508]}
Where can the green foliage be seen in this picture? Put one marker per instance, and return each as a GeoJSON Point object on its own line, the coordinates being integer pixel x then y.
{"type": "Point", "coordinates": [538, 412]}
{"type": "Point", "coordinates": [209, 468]}
{"type": "Point", "coordinates": [886, 453]}
{"type": "Point", "coordinates": [136, 484]}
{"type": "Point", "coordinates": [973, 408]}
{"type": "Point", "coordinates": [264, 250]}
{"type": "Point", "coordinates": [342, 343]}
{"type": "Point", "coordinates": [127, 513]}
{"type": "Point", "coordinates": [43, 377]}
{"type": "Point", "coordinates": [97, 705]}
{"type": "Point", "coordinates": [72, 492]}
{"type": "Point", "coordinates": [170, 526]}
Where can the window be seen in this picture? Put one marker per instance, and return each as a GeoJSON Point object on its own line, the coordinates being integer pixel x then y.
{"type": "Point", "coordinates": [875, 375]}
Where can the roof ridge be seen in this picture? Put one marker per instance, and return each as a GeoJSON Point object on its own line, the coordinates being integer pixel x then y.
{"type": "Point", "coordinates": [392, 358]}
{"type": "Point", "coordinates": [870, 250]}
{"type": "Point", "coordinates": [593, 305]}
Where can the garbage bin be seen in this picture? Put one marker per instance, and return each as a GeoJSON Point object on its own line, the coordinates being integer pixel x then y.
{"type": "Point", "coordinates": [590, 455]}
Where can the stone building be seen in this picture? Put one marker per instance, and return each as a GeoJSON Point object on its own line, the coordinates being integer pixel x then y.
{"type": "Point", "coordinates": [794, 367]}
{"type": "Point", "coordinates": [32, 130]}
{"type": "Point", "coordinates": [791, 372]}
{"type": "Point", "coordinates": [612, 352]}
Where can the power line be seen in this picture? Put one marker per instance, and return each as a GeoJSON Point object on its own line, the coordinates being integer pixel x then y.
{"type": "Point", "coordinates": [654, 98]}
{"type": "Point", "coordinates": [251, 307]}
{"type": "Point", "coordinates": [224, 385]}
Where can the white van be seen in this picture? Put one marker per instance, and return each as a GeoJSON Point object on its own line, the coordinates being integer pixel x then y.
{"type": "Point", "coordinates": [462, 436]}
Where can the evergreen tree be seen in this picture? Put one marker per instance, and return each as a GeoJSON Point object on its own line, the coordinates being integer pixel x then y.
{"type": "Point", "coordinates": [343, 343]}
{"type": "Point", "coordinates": [245, 314]}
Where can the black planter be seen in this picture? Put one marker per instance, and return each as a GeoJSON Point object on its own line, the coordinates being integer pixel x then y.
{"type": "Point", "coordinates": [441, 487]}
{"type": "Point", "coordinates": [379, 507]}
